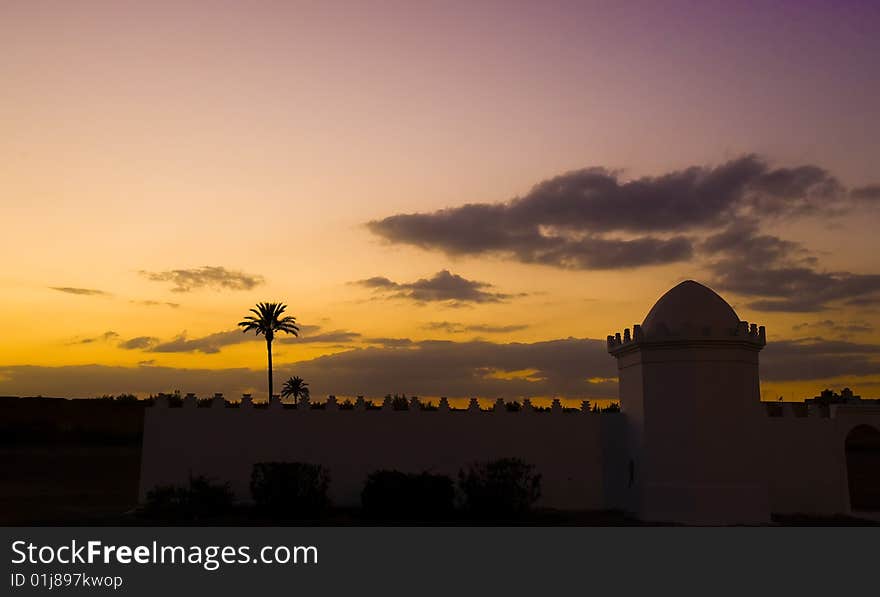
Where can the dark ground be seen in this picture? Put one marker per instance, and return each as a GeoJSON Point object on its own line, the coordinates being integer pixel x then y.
{"type": "Point", "coordinates": [77, 462]}
{"type": "Point", "coordinates": [68, 461]}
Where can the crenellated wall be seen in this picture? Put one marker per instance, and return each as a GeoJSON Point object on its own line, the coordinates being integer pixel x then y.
{"type": "Point", "coordinates": [575, 451]}
{"type": "Point", "coordinates": [752, 333]}
{"type": "Point", "coordinates": [581, 455]}
{"type": "Point", "coordinates": [806, 455]}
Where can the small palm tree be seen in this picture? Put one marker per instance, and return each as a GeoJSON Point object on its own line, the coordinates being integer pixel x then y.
{"type": "Point", "coordinates": [297, 388]}
{"type": "Point", "coordinates": [267, 321]}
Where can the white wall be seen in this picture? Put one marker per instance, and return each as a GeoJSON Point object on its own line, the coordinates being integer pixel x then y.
{"type": "Point", "coordinates": [582, 456]}
{"type": "Point", "coordinates": [693, 409]}
{"type": "Point", "coordinates": [806, 458]}
{"type": "Point", "coordinates": [224, 443]}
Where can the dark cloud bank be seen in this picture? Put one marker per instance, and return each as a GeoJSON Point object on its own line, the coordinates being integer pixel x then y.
{"type": "Point", "coordinates": [593, 219]}
{"type": "Point", "coordinates": [572, 368]}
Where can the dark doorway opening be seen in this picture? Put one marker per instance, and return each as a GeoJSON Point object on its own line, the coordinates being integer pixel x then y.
{"type": "Point", "coordinates": [863, 468]}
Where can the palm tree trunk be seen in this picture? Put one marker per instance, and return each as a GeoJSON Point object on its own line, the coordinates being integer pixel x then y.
{"type": "Point", "coordinates": [269, 351]}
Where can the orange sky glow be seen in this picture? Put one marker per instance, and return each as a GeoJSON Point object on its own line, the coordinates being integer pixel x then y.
{"type": "Point", "coordinates": [166, 165]}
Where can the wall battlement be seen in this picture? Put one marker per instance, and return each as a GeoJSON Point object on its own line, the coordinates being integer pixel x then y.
{"type": "Point", "coordinates": [802, 410]}
{"type": "Point", "coordinates": [744, 331]}
{"type": "Point", "coordinates": [414, 404]}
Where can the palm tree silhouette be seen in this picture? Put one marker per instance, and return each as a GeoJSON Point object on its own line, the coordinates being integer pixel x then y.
{"type": "Point", "coordinates": [296, 387]}
{"type": "Point", "coordinates": [267, 320]}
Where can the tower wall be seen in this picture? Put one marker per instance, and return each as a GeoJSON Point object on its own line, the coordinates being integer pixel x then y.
{"type": "Point", "coordinates": [692, 413]}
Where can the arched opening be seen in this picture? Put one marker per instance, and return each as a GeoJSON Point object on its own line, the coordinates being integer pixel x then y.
{"type": "Point", "coordinates": [863, 468]}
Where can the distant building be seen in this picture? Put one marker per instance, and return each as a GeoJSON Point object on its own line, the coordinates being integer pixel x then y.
{"type": "Point", "coordinates": [846, 396]}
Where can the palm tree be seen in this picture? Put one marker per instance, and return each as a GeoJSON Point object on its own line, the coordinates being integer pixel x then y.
{"type": "Point", "coordinates": [296, 387]}
{"type": "Point", "coordinates": [267, 320]}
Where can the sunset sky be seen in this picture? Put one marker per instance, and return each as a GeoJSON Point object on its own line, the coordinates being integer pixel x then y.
{"type": "Point", "coordinates": [166, 165]}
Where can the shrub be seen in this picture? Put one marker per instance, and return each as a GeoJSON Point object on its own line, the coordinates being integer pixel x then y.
{"type": "Point", "coordinates": [290, 489]}
{"type": "Point", "coordinates": [399, 402]}
{"type": "Point", "coordinates": [407, 496]}
{"type": "Point", "coordinates": [507, 487]}
{"type": "Point", "coordinates": [200, 499]}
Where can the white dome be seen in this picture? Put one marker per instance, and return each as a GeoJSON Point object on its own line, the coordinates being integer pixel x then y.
{"type": "Point", "coordinates": [690, 308]}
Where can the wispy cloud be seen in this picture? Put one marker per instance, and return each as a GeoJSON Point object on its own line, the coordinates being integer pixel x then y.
{"type": "Point", "coordinates": [452, 327]}
{"type": "Point", "coordinates": [138, 343]}
{"type": "Point", "coordinates": [149, 303]}
{"type": "Point", "coordinates": [208, 276]}
{"type": "Point", "coordinates": [105, 337]}
{"type": "Point", "coordinates": [843, 328]}
{"type": "Point", "coordinates": [210, 344]}
{"type": "Point", "coordinates": [215, 342]}
{"type": "Point", "coordinates": [80, 291]}
{"type": "Point", "coordinates": [314, 335]}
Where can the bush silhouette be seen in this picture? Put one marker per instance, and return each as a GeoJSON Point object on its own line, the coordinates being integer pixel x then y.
{"type": "Point", "coordinates": [200, 499]}
{"type": "Point", "coordinates": [394, 495]}
{"type": "Point", "coordinates": [507, 487]}
{"type": "Point", "coordinates": [398, 402]}
{"type": "Point", "coordinates": [290, 489]}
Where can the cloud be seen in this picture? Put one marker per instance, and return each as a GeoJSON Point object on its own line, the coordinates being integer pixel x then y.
{"type": "Point", "coordinates": [313, 335]}
{"type": "Point", "coordinates": [818, 358]}
{"type": "Point", "coordinates": [138, 343]}
{"type": "Point", "coordinates": [460, 369]}
{"type": "Point", "coordinates": [213, 343]}
{"type": "Point", "coordinates": [798, 289]}
{"type": "Point", "coordinates": [390, 342]}
{"type": "Point", "coordinates": [863, 301]}
{"type": "Point", "coordinates": [780, 275]}
{"type": "Point", "coordinates": [841, 327]}
{"type": "Point", "coordinates": [105, 337]}
{"type": "Point", "coordinates": [459, 328]}
{"type": "Point", "coordinates": [157, 304]}
{"type": "Point", "coordinates": [441, 287]}
{"type": "Point", "coordinates": [870, 192]}
{"type": "Point", "coordinates": [570, 368]}
{"type": "Point", "coordinates": [80, 291]}
{"type": "Point", "coordinates": [210, 344]}
{"type": "Point", "coordinates": [594, 219]}
{"type": "Point", "coordinates": [574, 368]}
{"type": "Point", "coordinates": [216, 277]}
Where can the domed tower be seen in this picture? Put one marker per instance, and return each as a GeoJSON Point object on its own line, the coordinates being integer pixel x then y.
{"type": "Point", "coordinates": [689, 389]}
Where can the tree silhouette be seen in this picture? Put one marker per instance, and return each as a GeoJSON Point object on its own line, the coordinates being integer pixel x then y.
{"type": "Point", "coordinates": [267, 320]}
{"type": "Point", "coordinates": [295, 387]}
